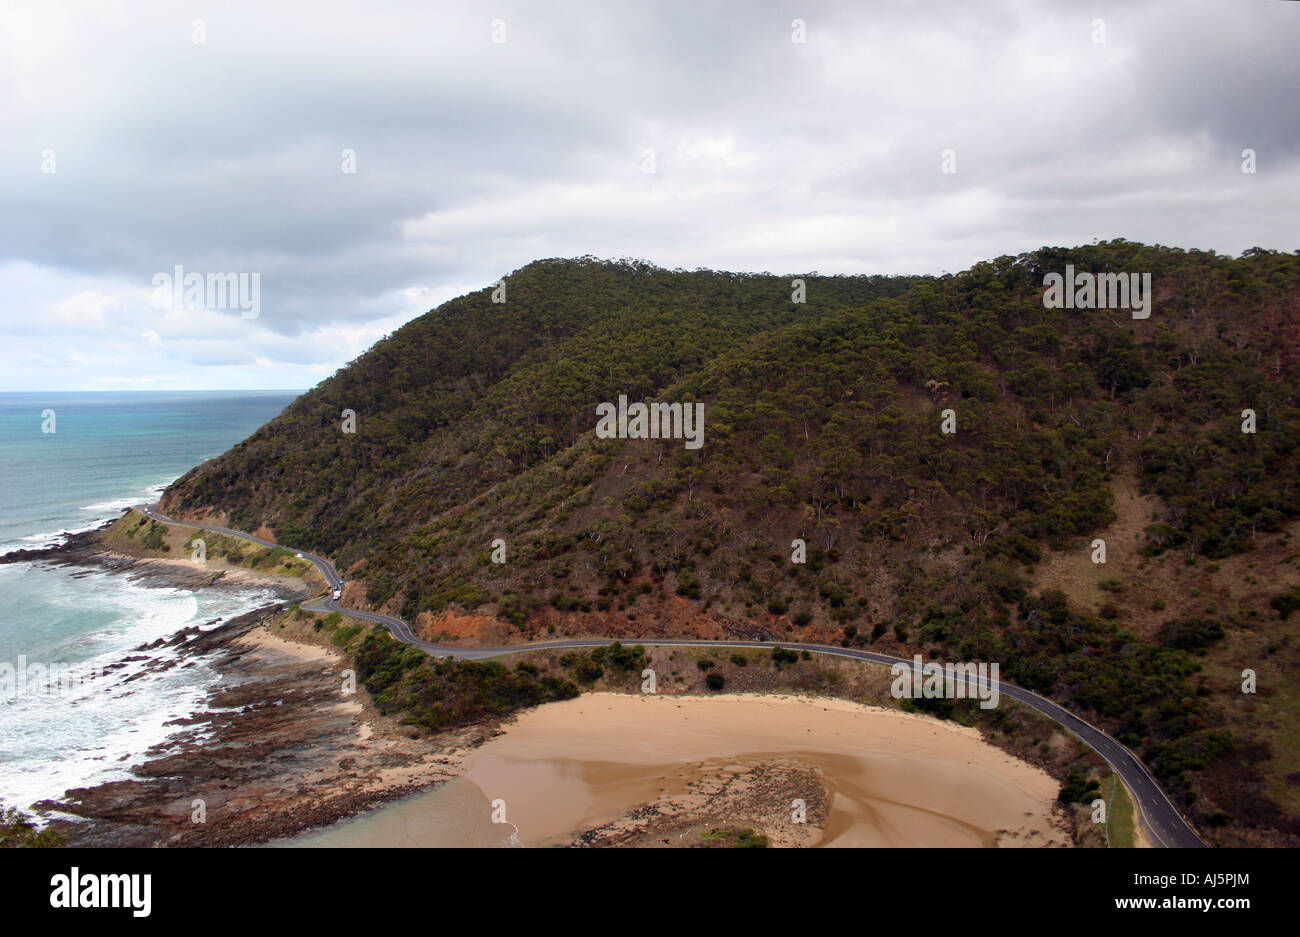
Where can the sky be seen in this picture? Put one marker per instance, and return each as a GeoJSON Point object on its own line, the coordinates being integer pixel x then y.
{"type": "Point", "coordinates": [368, 161]}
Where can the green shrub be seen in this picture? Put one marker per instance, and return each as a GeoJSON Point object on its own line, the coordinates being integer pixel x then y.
{"type": "Point", "coordinates": [514, 609]}
{"type": "Point", "coordinates": [442, 693]}
{"type": "Point", "coordinates": [1190, 634]}
{"type": "Point", "coordinates": [343, 636]}
{"type": "Point", "coordinates": [18, 830]}
{"type": "Point", "coordinates": [688, 584]}
{"type": "Point", "coordinates": [1286, 603]}
{"type": "Point", "coordinates": [782, 656]}
{"type": "Point", "coordinates": [1079, 790]}
{"type": "Point", "coordinates": [585, 670]}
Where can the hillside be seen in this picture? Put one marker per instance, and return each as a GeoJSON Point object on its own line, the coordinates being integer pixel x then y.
{"type": "Point", "coordinates": [823, 422]}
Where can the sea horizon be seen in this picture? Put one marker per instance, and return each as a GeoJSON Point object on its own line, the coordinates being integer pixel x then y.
{"type": "Point", "coordinates": [108, 451]}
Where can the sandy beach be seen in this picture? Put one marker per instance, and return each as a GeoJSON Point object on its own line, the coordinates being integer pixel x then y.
{"type": "Point", "coordinates": [611, 769]}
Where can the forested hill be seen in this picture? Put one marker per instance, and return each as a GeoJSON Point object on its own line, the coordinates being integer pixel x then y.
{"type": "Point", "coordinates": [475, 393]}
{"type": "Point", "coordinates": [823, 422]}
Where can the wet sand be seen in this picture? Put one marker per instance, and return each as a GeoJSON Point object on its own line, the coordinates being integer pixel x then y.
{"type": "Point", "coordinates": [889, 778]}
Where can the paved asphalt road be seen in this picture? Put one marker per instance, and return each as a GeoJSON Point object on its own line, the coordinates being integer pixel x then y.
{"type": "Point", "coordinates": [1160, 818]}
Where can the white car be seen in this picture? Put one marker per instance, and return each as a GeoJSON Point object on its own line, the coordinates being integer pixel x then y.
{"type": "Point", "coordinates": [337, 594]}
{"type": "Point", "coordinates": [299, 555]}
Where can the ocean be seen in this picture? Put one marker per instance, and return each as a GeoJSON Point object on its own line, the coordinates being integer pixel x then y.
{"type": "Point", "coordinates": [107, 451]}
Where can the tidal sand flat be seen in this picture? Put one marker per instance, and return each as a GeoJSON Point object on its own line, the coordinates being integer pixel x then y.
{"type": "Point", "coordinates": [609, 769]}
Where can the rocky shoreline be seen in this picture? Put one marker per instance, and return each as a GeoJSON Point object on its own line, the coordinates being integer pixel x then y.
{"type": "Point", "coordinates": [282, 747]}
{"type": "Point", "coordinates": [85, 551]}
{"type": "Point", "coordinates": [283, 744]}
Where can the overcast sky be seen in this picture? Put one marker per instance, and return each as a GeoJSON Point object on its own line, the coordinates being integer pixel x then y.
{"type": "Point", "coordinates": [474, 156]}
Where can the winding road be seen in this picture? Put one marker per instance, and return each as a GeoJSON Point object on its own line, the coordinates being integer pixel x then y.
{"type": "Point", "coordinates": [1161, 820]}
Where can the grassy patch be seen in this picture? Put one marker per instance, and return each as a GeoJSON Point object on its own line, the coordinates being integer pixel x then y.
{"type": "Point", "coordinates": [724, 838]}
{"type": "Point", "coordinates": [1122, 815]}
{"type": "Point", "coordinates": [138, 535]}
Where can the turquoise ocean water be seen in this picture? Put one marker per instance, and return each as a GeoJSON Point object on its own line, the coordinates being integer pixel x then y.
{"type": "Point", "coordinates": [108, 451]}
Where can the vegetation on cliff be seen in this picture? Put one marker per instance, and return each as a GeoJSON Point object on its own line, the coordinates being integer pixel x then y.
{"type": "Point", "coordinates": [823, 423]}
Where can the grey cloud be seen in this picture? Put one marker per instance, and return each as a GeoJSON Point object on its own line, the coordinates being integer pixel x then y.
{"type": "Point", "coordinates": [475, 158]}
